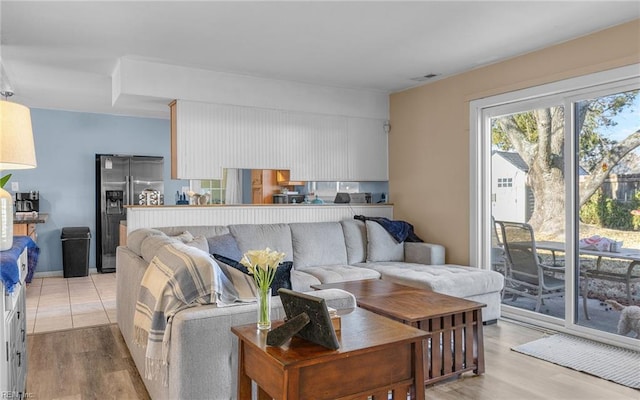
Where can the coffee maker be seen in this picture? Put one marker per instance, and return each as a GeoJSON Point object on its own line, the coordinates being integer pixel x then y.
{"type": "Point", "coordinates": [28, 202]}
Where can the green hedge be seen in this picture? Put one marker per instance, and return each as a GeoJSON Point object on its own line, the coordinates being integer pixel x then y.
{"type": "Point", "coordinates": [609, 213]}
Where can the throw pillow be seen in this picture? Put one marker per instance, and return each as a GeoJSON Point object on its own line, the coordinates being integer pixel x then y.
{"type": "Point", "coordinates": [381, 246]}
{"type": "Point", "coordinates": [243, 283]}
{"type": "Point", "coordinates": [225, 245]}
{"type": "Point", "coordinates": [184, 237]}
{"type": "Point", "coordinates": [199, 242]}
{"type": "Point", "coordinates": [246, 286]}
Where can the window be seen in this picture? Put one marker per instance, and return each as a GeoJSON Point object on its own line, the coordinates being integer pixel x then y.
{"type": "Point", "coordinates": [328, 190]}
{"type": "Point", "coordinates": [505, 182]}
{"type": "Point", "coordinates": [215, 188]}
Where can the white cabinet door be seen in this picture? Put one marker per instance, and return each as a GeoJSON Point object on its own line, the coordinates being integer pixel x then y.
{"type": "Point", "coordinates": [199, 141]}
{"type": "Point", "coordinates": [367, 150]}
{"type": "Point", "coordinates": [13, 354]}
{"type": "Point", "coordinates": [320, 148]}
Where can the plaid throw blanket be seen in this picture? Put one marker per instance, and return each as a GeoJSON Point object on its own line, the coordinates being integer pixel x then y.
{"type": "Point", "coordinates": [178, 277]}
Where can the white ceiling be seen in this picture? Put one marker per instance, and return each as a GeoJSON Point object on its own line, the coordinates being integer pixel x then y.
{"type": "Point", "coordinates": [61, 55]}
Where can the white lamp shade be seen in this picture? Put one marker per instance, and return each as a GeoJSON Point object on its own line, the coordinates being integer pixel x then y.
{"type": "Point", "coordinates": [16, 152]}
{"type": "Point", "coordinates": [16, 137]}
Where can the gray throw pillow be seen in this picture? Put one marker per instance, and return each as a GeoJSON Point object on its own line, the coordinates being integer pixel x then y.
{"type": "Point", "coordinates": [184, 237]}
{"type": "Point", "coordinates": [199, 242]}
{"type": "Point", "coordinates": [224, 245]}
{"type": "Point", "coordinates": [381, 246]}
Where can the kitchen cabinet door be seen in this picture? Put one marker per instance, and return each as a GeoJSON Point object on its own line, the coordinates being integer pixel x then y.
{"type": "Point", "coordinates": [322, 149]}
{"type": "Point", "coordinates": [263, 186]}
{"type": "Point", "coordinates": [368, 151]}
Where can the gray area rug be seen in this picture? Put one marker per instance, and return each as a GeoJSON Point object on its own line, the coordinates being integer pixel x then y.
{"type": "Point", "coordinates": [602, 360]}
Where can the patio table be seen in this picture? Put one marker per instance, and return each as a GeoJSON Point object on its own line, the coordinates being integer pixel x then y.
{"type": "Point", "coordinates": [627, 277]}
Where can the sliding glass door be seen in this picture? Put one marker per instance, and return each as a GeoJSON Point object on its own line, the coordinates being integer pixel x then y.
{"type": "Point", "coordinates": [607, 139]}
{"type": "Point", "coordinates": [528, 205]}
{"type": "Point", "coordinates": [557, 192]}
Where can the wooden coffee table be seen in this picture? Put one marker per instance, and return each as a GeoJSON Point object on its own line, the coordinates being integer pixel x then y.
{"type": "Point", "coordinates": [455, 342]}
{"type": "Point", "coordinates": [369, 288]}
{"type": "Point", "coordinates": [377, 356]}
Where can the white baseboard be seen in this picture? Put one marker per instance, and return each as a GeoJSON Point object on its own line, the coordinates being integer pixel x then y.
{"type": "Point", "coordinates": [50, 274]}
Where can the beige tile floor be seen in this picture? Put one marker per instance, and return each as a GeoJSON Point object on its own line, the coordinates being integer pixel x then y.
{"type": "Point", "coordinates": [58, 303]}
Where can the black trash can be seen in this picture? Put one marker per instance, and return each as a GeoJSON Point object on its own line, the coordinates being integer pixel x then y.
{"type": "Point", "coordinates": [75, 251]}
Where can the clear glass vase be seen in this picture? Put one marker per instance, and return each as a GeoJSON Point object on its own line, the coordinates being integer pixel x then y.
{"type": "Point", "coordinates": [264, 308]}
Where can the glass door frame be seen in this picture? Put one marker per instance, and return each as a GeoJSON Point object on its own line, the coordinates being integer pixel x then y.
{"type": "Point", "coordinates": [564, 93]}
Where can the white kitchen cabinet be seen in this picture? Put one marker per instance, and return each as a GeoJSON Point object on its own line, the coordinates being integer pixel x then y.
{"type": "Point", "coordinates": [13, 336]}
{"type": "Point", "coordinates": [367, 150]}
{"type": "Point", "coordinates": [205, 138]}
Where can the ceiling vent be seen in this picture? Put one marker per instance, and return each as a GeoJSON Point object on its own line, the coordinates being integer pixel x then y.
{"type": "Point", "coordinates": [424, 78]}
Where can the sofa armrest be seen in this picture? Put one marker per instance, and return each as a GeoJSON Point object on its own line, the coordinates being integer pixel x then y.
{"type": "Point", "coordinates": [424, 253]}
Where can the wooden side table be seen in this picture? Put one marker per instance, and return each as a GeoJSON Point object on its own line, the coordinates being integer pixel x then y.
{"type": "Point", "coordinates": [377, 357]}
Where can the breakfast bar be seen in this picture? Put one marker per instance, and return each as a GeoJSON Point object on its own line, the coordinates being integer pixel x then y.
{"type": "Point", "coordinates": [216, 214]}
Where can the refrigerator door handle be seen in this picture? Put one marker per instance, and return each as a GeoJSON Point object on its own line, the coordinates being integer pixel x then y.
{"type": "Point", "coordinates": [127, 189]}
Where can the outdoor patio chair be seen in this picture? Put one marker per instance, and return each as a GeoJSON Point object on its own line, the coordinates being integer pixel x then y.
{"type": "Point", "coordinates": [525, 274]}
{"type": "Point", "coordinates": [498, 259]}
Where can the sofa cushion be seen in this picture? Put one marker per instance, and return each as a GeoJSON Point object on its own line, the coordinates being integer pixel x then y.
{"type": "Point", "coordinates": [257, 237]}
{"type": "Point", "coordinates": [341, 273]}
{"type": "Point", "coordinates": [355, 238]}
{"type": "Point", "coordinates": [381, 246]}
{"type": "Point", "coordinates": [245, 285]}
{"type": "Point", "coordinates": [301, 281]}
{"type": "Point", "coordinates": [318, 243]}
{"type": "Point", "coordinates": [224, 245]}
{"type": "Point", "coordinates": [454, 280]}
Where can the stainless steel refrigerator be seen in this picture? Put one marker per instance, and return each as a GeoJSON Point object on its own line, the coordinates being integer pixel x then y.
{"type": "Point", "coordinates": [121, 180]}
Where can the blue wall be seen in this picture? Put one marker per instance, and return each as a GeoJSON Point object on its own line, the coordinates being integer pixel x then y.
{"type": "Point", "coordinates": [66, 144]}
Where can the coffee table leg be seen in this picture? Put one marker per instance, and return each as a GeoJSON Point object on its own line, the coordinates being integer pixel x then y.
{"type": "Point", "coordinates": [418, 362]}
{"type": "Point", "coordinates": [480, 343]}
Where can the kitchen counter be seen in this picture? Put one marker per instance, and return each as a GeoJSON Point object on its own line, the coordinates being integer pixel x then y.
{"type": "Point", "coordinates": [265, 205]}
{"type": "Point", "coordinates": [28, 218]}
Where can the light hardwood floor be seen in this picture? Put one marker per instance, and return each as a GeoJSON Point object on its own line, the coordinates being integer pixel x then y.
{"type": "Point", "coordinates": [511, 375]}
{"type": "Point", "coordinates": [81, 364]}
{"type": "Point", "coordinates": [94, 363]}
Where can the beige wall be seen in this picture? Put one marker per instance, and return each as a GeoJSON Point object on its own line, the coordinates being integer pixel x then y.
{"type": "Point", "coordinates": [429, 141]}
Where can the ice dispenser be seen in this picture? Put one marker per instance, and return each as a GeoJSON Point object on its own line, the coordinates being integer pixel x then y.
{"type": "Point", "coordinates": [114, 200]}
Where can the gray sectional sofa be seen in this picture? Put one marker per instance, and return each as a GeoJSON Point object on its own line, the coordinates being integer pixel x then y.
{"type": "Point", "coordinates": [203, 351]}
